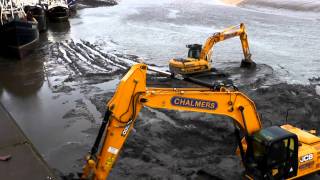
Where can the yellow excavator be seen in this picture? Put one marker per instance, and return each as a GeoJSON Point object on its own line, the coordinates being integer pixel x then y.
{"type": "Point", "coordinates": [284, 152]}
{"type": "Point", "coordinates": [200, 58]}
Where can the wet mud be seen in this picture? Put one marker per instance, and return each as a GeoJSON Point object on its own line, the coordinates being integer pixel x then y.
{"type": "Point", "coordinates": [164, 144]}
{"type": "Point", "coordinates": [75, 78]}
{"type": "Point", "coordinates": [183, 145]}
{"type": "Point", "coordinates": [83, 62]}
{"type": "Point", "coordinates": [27, 75]}
{"type": "Point", "coordinates": [294, 5]}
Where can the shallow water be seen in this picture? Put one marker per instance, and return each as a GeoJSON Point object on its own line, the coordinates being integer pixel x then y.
{"type": "Point", "coordinates": [160, 31]}
{"type": "Point", "coordinates": [55, 94]}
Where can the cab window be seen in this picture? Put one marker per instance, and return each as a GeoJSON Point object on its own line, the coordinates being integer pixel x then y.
{"type": "Point", "coordinates": [279, 151]}
{"type": "Point", "coordinates": [258, 150]}
{"type": "Point", "coordinates": [194, 54]}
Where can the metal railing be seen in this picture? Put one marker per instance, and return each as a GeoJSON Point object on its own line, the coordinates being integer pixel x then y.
{"type": "Point", "coordinates": [11, 9]}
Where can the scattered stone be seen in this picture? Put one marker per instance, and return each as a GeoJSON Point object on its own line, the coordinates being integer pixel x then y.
{"type": "Point", "coordinates": [55, 97]}
{"type": "Point", "coordinates": [80, 111]}
{"type": "Point", "coordinates": [62, 89]}
{"type": "Point", "coordinates": [65, 102]}
{"type": "Point", "coordinates": [69, 79]}
{"type": "Point", "coordinates": [99, 100]}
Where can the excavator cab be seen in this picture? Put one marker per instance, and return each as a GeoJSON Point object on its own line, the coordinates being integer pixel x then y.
{"type": "Point", "coordinates": [273, 155]}
{"type": "Point", "coordinates": [194, 51]}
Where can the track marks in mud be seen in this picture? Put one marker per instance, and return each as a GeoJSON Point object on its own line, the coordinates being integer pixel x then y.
{"type": "Point", "coordinates": [82, 59]}
{"type": "Point", "coordinates": [74, 61]}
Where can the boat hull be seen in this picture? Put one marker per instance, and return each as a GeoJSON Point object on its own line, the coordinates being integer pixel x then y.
{"type": "Point", "coordinates": [39, 14]}
{"type": "Point", "coordinates": [58, 14]}
{"type": "Point", "coordinates": [18, 38]}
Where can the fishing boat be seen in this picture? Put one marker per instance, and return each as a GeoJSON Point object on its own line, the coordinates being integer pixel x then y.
{"type": "Point", "coordinates": [18, 31]}
{"type": "Point", "coordinates": [58, 10]}
{"type": "Point", "coordinates": [37, 10]}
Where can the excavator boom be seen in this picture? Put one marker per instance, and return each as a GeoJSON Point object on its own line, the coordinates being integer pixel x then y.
{"type": "Point", "coordinates": [132, 94]}
{"type": "Point", "coordinates": [228, 33]}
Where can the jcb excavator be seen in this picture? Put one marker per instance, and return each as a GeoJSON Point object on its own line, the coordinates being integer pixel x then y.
{"type": "Point", "coordinates": [275, 152]}
{"type": "Point", "coordinates": [199, 58]}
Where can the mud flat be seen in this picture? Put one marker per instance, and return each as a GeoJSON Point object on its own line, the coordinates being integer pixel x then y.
{"type": "Point", "coordinates": [95, 3]}
{"type": "Point", "coordinates": [63, 93]}
{"type": "Point", "coordinates": [295, 5]}
{"type": "Point", "coordinates": [80, 78]}
{"type": "Point", "coordinates": [184, 145]}
{"type": "Point", "coordinates": [170, 144]}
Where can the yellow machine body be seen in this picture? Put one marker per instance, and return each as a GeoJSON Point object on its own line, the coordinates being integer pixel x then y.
{"type": "Point", "coordinates": [132, 94]}
{"type": "Point", "coordinates": [200, 58]}
{"type": "Point", "coordinates": [189, 66]}
{"type": "Point", "coordinates": [309, 151]}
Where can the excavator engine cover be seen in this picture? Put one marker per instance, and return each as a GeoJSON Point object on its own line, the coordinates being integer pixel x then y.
{"type": "Point", "coordinates": [193, 63]}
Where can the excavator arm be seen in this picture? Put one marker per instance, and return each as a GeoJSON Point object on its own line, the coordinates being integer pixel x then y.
{"type": "Point", "coordinates": [224, 35]}
{"type": "Point", "coordinates": [132, 94]}
{"type": "Point", "coordinates": [121, 113]}
{"type": "Point", "coordinates": [224, 102]}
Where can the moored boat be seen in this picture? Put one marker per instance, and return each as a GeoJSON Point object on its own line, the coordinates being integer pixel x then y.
{"type": "Point", "coordinates": [58, 10]}
{"type": "Point", "coordinates": [18, 30]}
{"type": "Point", "coordinates": [37, 11]}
